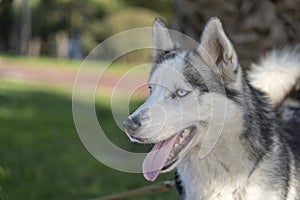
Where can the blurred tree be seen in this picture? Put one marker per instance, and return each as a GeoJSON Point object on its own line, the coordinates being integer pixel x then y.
{"type": "Point", "coordinates": [164, 7]}
{"type": "Point", "coordinates": [50, 17]}
{"type": "Point", "coordinates": [21, 29]}
{"type": "Point", "coordinates": [6, 23]}
{"type": "Point", "coordinates": [25, 34]}
{"type": "Point", "coordinates": [254, 25]}
{"type": "Point", "coordinates": [74, 27]}
{"type": "Point", "coordinates": [122, 20]}
{"type": "Point", "coordinates": [74, 18]}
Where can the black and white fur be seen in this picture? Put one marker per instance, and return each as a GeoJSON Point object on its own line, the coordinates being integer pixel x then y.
{"type": "Point", "coordinates": [253, 158]}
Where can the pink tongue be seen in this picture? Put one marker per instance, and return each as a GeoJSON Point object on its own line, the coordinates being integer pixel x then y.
{"type": "Point", "coordinates": [157, 157]}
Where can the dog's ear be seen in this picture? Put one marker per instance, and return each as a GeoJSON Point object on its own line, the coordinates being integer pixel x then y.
{"type": "Point", "coordinates": [162, 41]}
{"type": "Point", "coordinates": [217, 51]}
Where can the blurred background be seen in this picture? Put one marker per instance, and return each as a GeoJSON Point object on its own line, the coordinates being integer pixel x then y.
{"type": "Point", "coordinates": [42, 45]}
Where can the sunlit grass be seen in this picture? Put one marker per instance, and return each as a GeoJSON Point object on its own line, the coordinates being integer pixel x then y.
{"type": "Point", "coordinates": [116, 67]}
{"type": "Point", "coordinates": [41, 61]}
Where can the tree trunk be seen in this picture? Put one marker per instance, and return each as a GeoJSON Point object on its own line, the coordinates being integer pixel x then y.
{"type": "Point", "coordinates": [6, 23]}
{"type": "Point", "coordinates": [25, 34]}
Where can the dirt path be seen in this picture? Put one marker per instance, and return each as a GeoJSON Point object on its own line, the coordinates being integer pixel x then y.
{"type": "Point", "coordinates": [66, 77]}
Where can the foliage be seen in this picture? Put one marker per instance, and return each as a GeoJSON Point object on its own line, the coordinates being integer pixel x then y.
{"type": "Point", "coordinates": [116, 22]}
{"type": "Point", "coordinates": [161, 6]}
{"type": "Point", "coordinates": [91, 20]}
{"type": "Point", "coordinates": [6, 12]}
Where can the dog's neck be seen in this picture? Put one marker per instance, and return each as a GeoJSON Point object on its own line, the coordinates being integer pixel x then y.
{"type": "Point", "coordinates": [224, 170]}
{"type": "Point", "coordinates": [231, 164]}
{"type": "Point", "coordinates": [212, 178]}
{"type": "Point", "coordinates": [216, 176]}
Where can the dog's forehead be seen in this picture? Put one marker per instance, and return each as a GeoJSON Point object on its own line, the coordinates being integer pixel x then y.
{"type": "Point", "coordinates": [169, 69]}
{"type": "Point", "coordinates": [179, 68]}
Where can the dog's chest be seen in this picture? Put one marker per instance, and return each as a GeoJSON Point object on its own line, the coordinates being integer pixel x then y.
{"type": "Point", "coordinates": [191, 188]}
{"type": "Point", "coordinates": [202, 182]}
{"type": "Point", "coordinates": [199, 182]}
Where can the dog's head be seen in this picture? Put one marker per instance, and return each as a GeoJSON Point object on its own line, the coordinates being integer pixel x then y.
{"type": "Point", "coordinates": [186, 85]}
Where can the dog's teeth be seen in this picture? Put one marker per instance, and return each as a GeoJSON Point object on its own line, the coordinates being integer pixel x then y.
{"type": "Point", "coordinates": [186, 133]}
{"type": "Point", "coordinates": [181, 140]}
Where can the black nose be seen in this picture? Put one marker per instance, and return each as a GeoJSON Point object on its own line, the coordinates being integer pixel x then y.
{"type": "Point", "coordinates": [131, 125]}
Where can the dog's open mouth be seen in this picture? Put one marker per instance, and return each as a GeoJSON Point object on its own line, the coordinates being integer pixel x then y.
{"type": "Point", "coordinates": [164, 154]}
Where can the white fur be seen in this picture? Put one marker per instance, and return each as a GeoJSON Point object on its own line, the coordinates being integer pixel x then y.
{"type": "Point", "coordinates": [161, 38]}
{"type": "Point", "coordinates": [294, 182]}
{"type": "Point", "coordinates": [277, 74]}
{"type": "Point", "coordinates": [217, 175]}
{"type": "Point", "coordinates": [208, 179]}
{"type": "Point", "coordinates": [174, 114]}
{"type": "Point", "coordinates": [216, 164]}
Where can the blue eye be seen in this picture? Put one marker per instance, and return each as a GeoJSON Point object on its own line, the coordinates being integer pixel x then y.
{"type": "Point", "coordinates": [181, 92]}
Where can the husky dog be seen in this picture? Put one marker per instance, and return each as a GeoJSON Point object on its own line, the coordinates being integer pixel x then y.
{"type": "Point", "coordinates": [219, 131]}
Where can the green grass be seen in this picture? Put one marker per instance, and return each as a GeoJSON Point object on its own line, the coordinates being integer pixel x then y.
{"type": "Point", "coordinates": [117, 67]}
{"type": "Point", "coordinates": [41, 156]}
